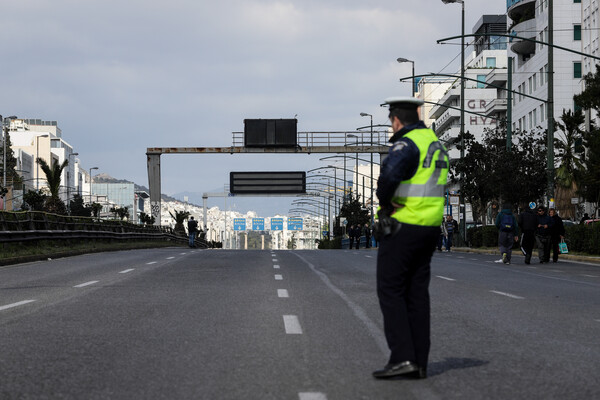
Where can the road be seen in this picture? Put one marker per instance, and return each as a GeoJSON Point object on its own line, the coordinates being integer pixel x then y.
{"type": "Point", "coordinates": [217, 324]}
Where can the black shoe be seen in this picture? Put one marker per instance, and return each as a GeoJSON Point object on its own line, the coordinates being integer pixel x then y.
{"type": "Point", "coordinates": [405, 368]}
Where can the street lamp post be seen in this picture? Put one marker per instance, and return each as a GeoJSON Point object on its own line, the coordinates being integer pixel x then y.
{"type": "Point", "coordinates": [91, 181]}
{"type": "Point", "coordinates": [404, 60]}
{"type": "Point", "coordinates": [461, 206]}
{"type": "Point", "coordinates": [356, 181]}
{"type": "Point", "coordinates": [369, 115]}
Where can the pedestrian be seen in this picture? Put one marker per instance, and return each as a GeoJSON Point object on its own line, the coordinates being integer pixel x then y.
{"type": "Point", "coordinates": [557, 233]}
{"type": "Point", "coordinates": [443, 235]}
{"type": "Point", "coordinates": [528, 225]}
{"type": "Point", "coordinates": [192, 230]}
{"type": "Point", "coordinates": [508, 232]}
{"type": "Point", "coordinates": [410, 190]}
{"type": "Point", "coordinates": [351, 236]}
{"type": "Point", "coordinates": [367, 232]}
{"type": "Point", "coordinates": [584, 218]}
{"type": "Point", "coordinates": [542, 234]}
{"type": "Point", "coordinates": [451, 227]}
{"type": "Point", "coordinates": [357, 235]}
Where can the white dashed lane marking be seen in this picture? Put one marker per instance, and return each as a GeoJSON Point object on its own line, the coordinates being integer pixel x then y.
{"type": "Point", "coordinates": [278, 277]}
{"type": "Point", "coordinates": [86, 284]}
{"type": "Point", "coordinates": [170, 258]}
{"type": "Point", "coordinates": [276, 266]}
{"type": "Point", "coordinates": [282, 293]}
{"type": "Point", "coordinates": [275, 260]}
{"type": "Point", "coordinates": [445, 278]}
{"type": "Point", "coordinates": [17, 304]}
{"type": "Point", "coordinates": [512, 296]}
{"type": "Point", "coordinates": [312, 396]}
{"type": "Point", "coordinates": [590, 276]}
{"type": "Point", "coordinates": [292, 325]}
{"type": "Point", "coordinates": [151, 262]}
{"type": "Point", "coordinates": [127, 270]}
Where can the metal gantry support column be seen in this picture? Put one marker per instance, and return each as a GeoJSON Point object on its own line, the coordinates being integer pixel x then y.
{"type": "Point", "coordinates": [154, 185]}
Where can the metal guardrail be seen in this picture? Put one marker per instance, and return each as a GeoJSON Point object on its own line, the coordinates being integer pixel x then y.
{"type": "Point", "coordinates": [35, 225]}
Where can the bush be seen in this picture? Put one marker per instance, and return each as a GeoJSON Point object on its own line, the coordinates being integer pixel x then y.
{"type": "Point", "coordinates": [583, 238]}
{"type": "Point", "coordinates": [483, 236]}
{"type": "Point", "coordinates": [330, 243]}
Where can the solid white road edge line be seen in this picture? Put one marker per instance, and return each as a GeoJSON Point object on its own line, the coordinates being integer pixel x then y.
{"type": "Point", "coordinates": [292, 325]}
{"type": "Point", "coordinates": [86, 284]}
{"type": "Point", "coordinates": [282, 293]}
{"type": "Point", "coordinates": [19, 303]}
{"type": "Point", "coordinates": [512, 296]}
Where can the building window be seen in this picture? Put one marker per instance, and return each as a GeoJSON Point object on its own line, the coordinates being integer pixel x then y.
{"type": "Point", "coordinates": [576, 32]}
{"type": "Point", "coordinates": [576, 70]}
{"type": "Point", "coordinates": [530, 121]}
{"type": "Point", "coordinates": [576, 107]}
{"type": "Point", "coordinates": [530, 85]}
{"type": "Point", "coordinates": [534, 117]}
{"type": "Point", "coordinates": [534, 80]}
{"type": "Point", "coordinates": [541, 77]}
{"type": "Point", "coordinates": [480, 81]}
{"type": "Point", "coordinates": [490, 62]}
{"type": "Point", "coordinates": [576, 1]}
{"type": "Point", "coordinates": [542, 113]}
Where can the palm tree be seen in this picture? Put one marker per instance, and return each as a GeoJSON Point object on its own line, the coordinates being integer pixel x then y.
{"type": "Point", "coordinates": [53, 176]}
{"type": "Point", "coordinates": [180, 217]}
{"type": "Point", "coordinates": [568, 160]}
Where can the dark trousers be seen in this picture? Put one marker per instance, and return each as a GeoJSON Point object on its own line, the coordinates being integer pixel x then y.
{"type": "Point", "coordinates": [351, 242]}
{"type": "Point", "coordinates": [544, 242]}
{"type": "Point", "coordinates": [403, 274]}
{"type": "Point", "coordinates": [368, 240]}
{"type": "Point", "coordinates": [527, 243]}
{"type": "Point", "coordinates": [555, 251]}
{"type": "Point", "coordinates": [449, 241]}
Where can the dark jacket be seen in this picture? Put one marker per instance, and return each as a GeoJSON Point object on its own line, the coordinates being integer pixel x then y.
{"type": "Point", "coordinates": [543, 220]}
{"type": "Point", "coordinates": [528, 221]}
{"type": "Point", "coordinates": [558, 228]}
{"type": "Point", "coordinates": [192, 226]}
{"type": "Point", "coordinates": [515, 224]}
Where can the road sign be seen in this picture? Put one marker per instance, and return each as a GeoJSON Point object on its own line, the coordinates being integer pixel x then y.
{"type": "Point", "coordinates": [265, 183]}
{"type": "Point", "coordinates": [294, 224]}
{"type": "Point", "coordinates": [258, 224]}
{"type": "Point", "coordinates": [532, 205]}
{"type": "Point", "coordinates": [276, 224]}
{"type": "Point", "coordinates": [239, 224]}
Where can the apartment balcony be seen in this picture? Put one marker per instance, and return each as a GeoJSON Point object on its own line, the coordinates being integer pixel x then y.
{"type": "Point", "coordinates": [525, 29]}
{"type": "Point", "coordinates": [497, 77]}
{"type": "Point", "coordinates": [447, 119]}
{"type": "Point", "coordinates": [521, 11]}
{"type": "Point", "coordinates": [452, 96]}
{"type": "Point", "coordinates": [496, 107]}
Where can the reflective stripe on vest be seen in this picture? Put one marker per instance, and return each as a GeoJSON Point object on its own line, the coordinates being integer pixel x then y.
{"type": "Point", "coordinates": [421, 197]}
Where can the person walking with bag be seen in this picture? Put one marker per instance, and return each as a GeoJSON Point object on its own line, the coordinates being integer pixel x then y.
{"type": "Point", "coordinates": [508, 232]}
{"type": "Point", "coordinates": [557, 233]}
{"type": "Point", "coordinates": [542, 234]}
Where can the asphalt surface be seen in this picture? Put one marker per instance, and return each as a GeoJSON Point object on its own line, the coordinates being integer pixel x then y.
{"type": "Point", "coordinates": [218, 324]}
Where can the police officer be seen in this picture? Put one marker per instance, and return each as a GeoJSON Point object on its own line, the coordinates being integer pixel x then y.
{"type": "Point", "coordinates": [410, 189]}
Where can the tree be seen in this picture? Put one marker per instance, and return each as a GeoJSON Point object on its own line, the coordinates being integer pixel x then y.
{"type": "Point", "coordinates": [34, 200]}
{"type": "Point", "coordinates": [353, 211]}
{"type": "Point", "coordinates": [147, 219]}
{"type": "Point", "coordinates": [78, 208]}
{"type": "Point", "coordinates": [179, 217]}
{"type": "Point", "coordinates": [120, 212]}
{"type": "Point", "coordinates": [96, 208]}
{"type": "Point", "coordinates": [53, 176]}
{"type": "Point", "coordinates": [12, 178]}
{"type": "Point", "coordinates": [568, 160]}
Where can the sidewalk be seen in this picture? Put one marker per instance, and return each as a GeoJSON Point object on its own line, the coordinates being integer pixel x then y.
{"type": "Point", "coordinates": [571, 257]}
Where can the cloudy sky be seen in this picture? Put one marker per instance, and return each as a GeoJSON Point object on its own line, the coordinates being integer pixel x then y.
{"type": "Point", "coordinates": [122, 76]}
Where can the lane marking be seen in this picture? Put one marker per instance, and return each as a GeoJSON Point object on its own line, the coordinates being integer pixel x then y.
{"type": "Point", "coordinates": [18, 303]}
{"type": "Point", "coordinates": [282, 293]}
{"type": "Point", "coordinates": [151, 262]}
{"type": "Point", "coordinates": [169, 258]}
{"type": "Point", "coordinates": [474, 259]}
{"type": "Point", "coordinates": [292, 325]}
{"type": "Point", "coordinates": [590, 276]}
{"type": "Point", "coordinates": [275, 260]}
{"type": "Point", "coordinates": [369, 256]}
{"type": "Point", "coordinates": [127, 270]}
{"type": "Point", "coordinates": [86, 284]}
{"type": "Point", "coordinates": [445, 278]}
{"type": "Point", "coordinates": [512, 296]}
{"type": "Point", "coordinates": [278, 277]}
{"type": "Point", "coordinates": [312, 396]}
{"type": "Point", "coordinates": [182, 253]}
{"type": "Point", "coordinates": [276, 266]}
{"type": "Point", "coordinates": [460, 257]}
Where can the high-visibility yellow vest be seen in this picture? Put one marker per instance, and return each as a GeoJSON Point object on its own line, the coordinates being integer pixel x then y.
{"type": "Point", "coordinates": [421, 198]}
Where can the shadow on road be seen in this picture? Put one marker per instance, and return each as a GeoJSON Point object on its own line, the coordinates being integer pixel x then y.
{"type": "Point", "coordinates": [439, 367]}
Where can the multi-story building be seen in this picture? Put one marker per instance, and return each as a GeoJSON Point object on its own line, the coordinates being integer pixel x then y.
{"type": "Point", "coordinates": [530, 60]}
{"type": "Point", "coordinates": [590, 39]}
{"type": "Point", "coordinates": [485, 106]}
